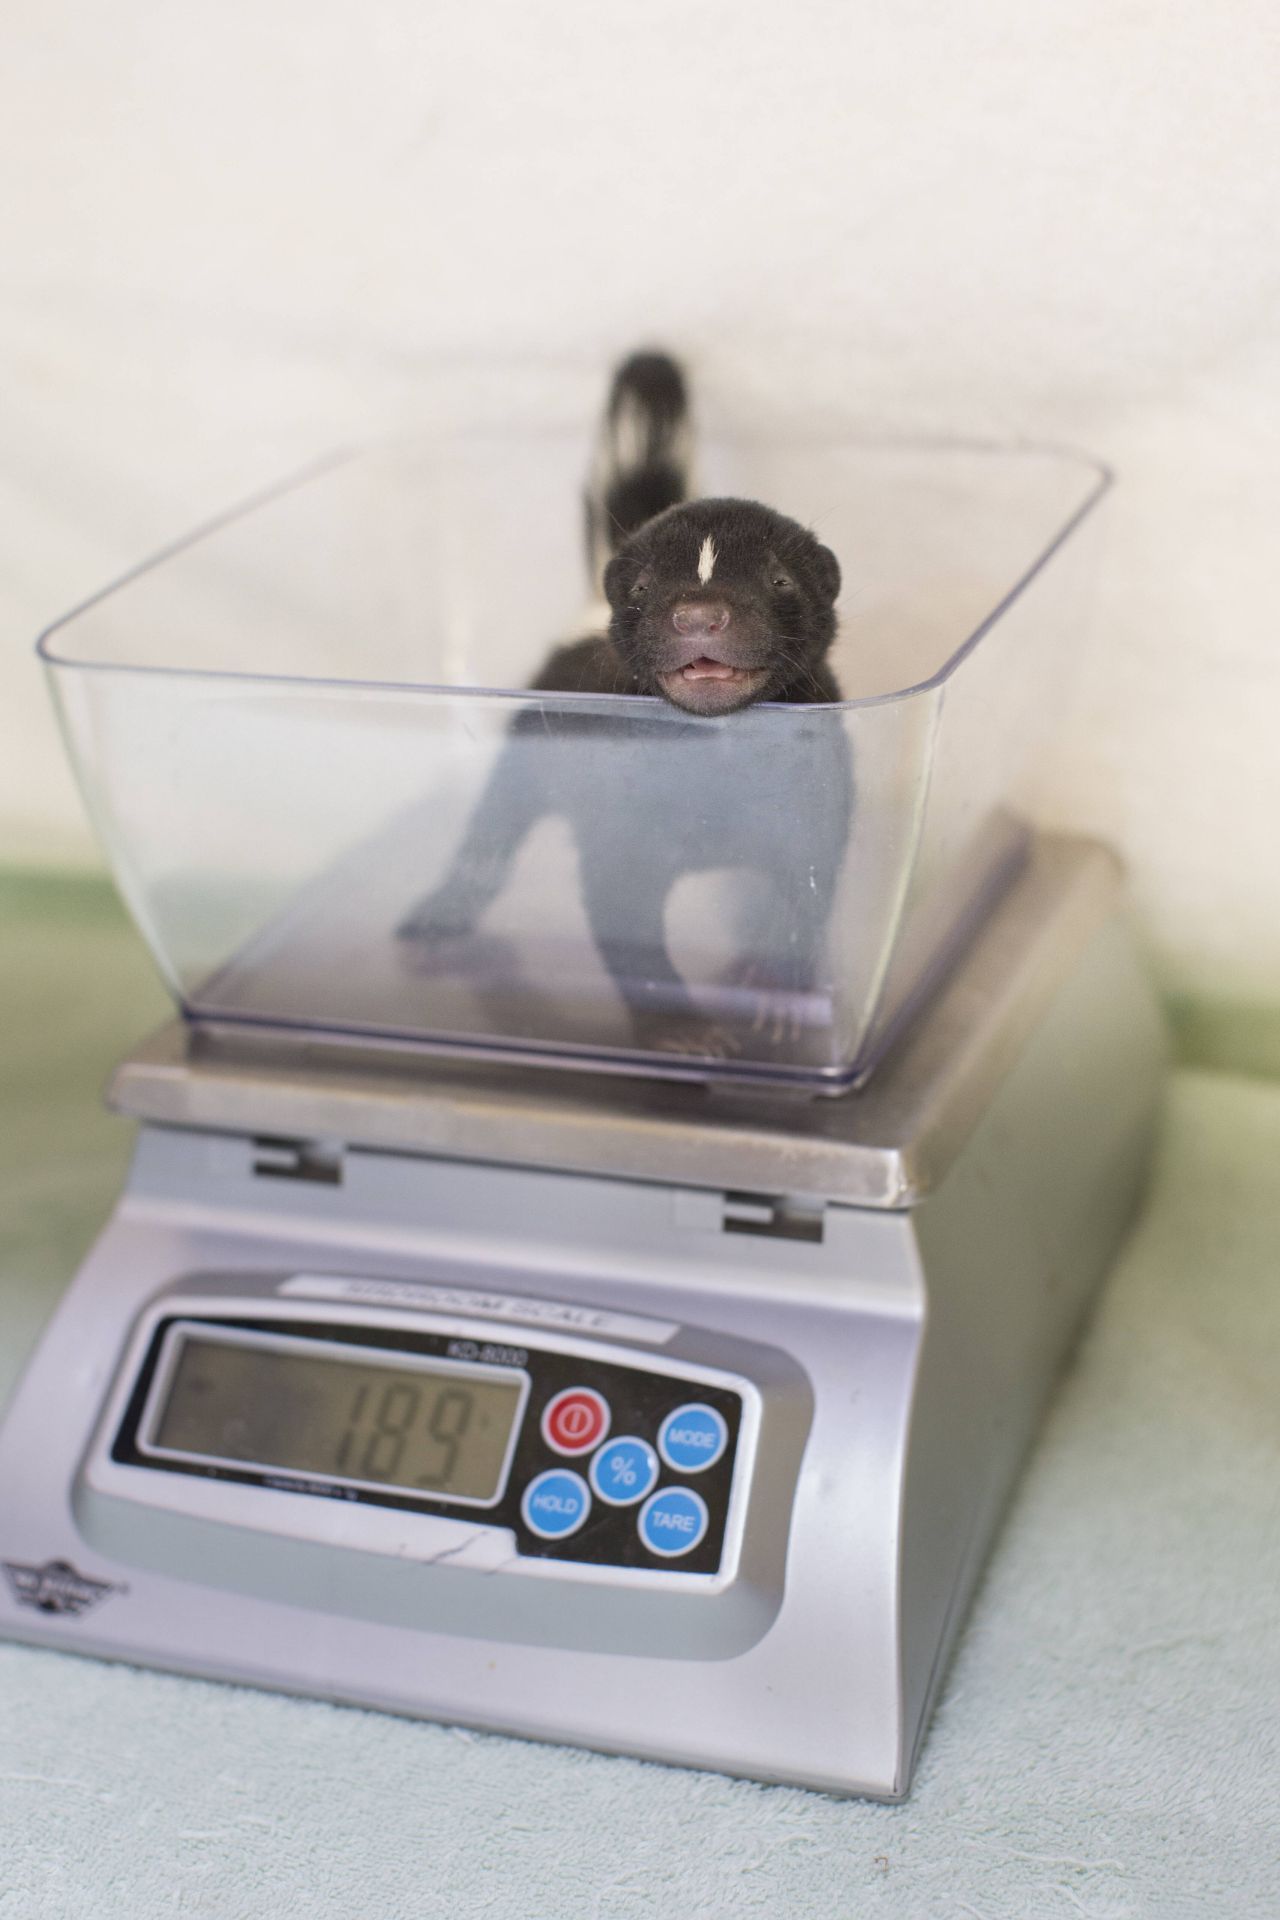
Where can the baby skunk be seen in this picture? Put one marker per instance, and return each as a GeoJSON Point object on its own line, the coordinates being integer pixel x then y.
{"type": "Point", "coordinates": [716, 606]}
{"type": "Point", "coordinates": [713, 604]}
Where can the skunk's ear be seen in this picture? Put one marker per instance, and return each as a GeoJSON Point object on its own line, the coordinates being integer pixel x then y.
{"type": "Point", "coordinates": [613, 583]}
{"type": "Point", "coordinates": [618, 576]}
{"type": "Point", "coordinates": [827, 569]}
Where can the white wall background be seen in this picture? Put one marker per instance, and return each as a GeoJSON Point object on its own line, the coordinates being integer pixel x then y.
{"type": "Point", "coordinates": [233, 233]}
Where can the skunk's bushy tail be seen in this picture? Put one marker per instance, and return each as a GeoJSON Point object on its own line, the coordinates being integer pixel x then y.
{"type": "Point", "coordinates": [643, 454]}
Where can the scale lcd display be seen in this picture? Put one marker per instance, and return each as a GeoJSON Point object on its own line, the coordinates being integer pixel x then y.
{"type": "Point", "coordinates": [291, 1405]}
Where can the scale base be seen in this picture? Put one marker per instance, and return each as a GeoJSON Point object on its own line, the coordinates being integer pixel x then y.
{"type": "Point", "coordinates": [893, 1353]}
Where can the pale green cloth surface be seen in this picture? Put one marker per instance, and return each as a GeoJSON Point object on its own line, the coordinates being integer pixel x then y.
{"type": "Point", "coordinates": [1106, 1746]}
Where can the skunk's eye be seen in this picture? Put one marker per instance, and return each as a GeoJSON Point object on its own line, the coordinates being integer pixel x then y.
{"type": "Point", "coordinates": [783, 582]}
{"type": "Point", "coordinates": [639, 586]}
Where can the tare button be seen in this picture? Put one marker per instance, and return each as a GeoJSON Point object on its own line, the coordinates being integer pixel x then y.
{"type": "Point", "coordinates": [673, 1522]}
{"type": "Point", "coordinates": [692, 1438]}
{"type": "Point", "coordinates": [576, 1420]}
{"type": "Point", "coordinates": [555, 1504]}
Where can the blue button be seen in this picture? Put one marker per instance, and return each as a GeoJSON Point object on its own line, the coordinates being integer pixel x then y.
{"type": "Point", "coordinates": [673, 1521]}
{"type": "Point", "coordinates": [624, 1471]}
{"type": "Point", "coordinates": [692, 1438]}
{"type": "Point", "coordinates": [555, 1504]}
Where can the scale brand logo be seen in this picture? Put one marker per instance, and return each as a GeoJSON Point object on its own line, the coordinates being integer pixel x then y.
{"type": "Point", "coordinates": [56, 1587]}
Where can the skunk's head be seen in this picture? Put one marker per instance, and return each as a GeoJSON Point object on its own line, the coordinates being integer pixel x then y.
{"type": "Point", "coordinates": [717, 604]}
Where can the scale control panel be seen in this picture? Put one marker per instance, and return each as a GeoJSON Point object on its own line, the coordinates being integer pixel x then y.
{"type": "Point", "coordinates": [587, 1455]}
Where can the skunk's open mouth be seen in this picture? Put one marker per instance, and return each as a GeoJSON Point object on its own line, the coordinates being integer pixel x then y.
{"type": "Point", "coordinates": [705, 685]}
{"type": "Point", "coordinates": [705, 668]}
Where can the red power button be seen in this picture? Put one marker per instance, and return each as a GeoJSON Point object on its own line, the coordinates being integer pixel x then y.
{"type": "Point", "coordinates": [576, 1420]}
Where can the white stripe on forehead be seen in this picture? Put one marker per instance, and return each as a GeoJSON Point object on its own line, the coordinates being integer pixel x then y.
{"type": "Point", "coordinates": [706, 560]}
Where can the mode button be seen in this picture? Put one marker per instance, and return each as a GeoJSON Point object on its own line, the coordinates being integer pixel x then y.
{"type": "Point", "coordinates": [693, 1437]}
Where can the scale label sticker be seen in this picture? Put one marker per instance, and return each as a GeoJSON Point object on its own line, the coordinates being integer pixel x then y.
{"type": "Point", "coordinates": [56, 1587]}
{"type": "Point", "coordinates": [424, 1296]}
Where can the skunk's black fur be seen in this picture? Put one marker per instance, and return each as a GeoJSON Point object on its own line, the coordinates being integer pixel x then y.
{"type": "Point", "coordinates": [715, 605]}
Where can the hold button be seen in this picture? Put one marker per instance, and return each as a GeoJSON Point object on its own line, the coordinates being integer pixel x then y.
{"type": "Point", "coordinates": [555, 1504]}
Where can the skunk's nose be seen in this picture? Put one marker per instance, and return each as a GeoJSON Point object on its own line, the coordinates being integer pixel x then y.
{"type": "Point", "coordinates": [695, 616]}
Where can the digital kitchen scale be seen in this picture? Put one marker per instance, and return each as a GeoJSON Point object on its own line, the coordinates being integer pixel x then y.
{"type": "Point", "coordinates": [666, 1419]}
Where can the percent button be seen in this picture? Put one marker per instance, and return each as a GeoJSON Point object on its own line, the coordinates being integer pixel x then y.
{"type": "Point", "coordinates": [624, 1471]}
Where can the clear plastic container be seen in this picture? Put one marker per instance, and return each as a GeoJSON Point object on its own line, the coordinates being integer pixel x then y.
{"type": "Point", "coordinates": [329, 805]}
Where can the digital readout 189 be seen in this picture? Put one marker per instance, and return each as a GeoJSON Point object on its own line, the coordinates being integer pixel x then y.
{"type": "Point", "coordinates": [378, 1432]}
